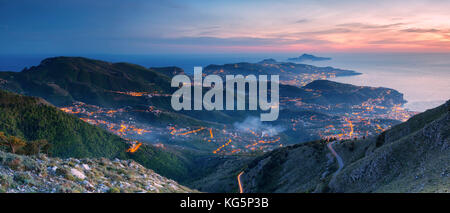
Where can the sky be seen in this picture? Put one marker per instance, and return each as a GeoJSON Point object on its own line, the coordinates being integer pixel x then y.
{"type": "Point", "coordinates": [212, 26]}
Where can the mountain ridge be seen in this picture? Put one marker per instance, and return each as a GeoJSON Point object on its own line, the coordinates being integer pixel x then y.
{"type": "Point", "coordinates": [62, 80]}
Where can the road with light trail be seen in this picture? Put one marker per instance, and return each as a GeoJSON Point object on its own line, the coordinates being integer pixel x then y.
{"type": "Point", "coordinates": [241, 189]}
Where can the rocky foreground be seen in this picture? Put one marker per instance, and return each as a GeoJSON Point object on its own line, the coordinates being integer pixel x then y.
{"type": "Point", "coordinates": [53, 175]}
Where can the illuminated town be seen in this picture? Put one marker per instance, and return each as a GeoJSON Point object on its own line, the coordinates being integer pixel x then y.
{"type": "Point", "coordinates": [342, 122]}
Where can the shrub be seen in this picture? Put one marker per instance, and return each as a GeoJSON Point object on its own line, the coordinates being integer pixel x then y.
{"type": "Point", "coordinates": [5, 182]}
{"type": "Point", "coordinates": [114, 190]}
{"type": "Point", "coordinates": [23, 178]}
{"type": "Point", "coordinates": [35, 147]}
{"type": "Point", "coordinates": [15, 163]}
{"type": "Point", "coordinates": [380, 139]}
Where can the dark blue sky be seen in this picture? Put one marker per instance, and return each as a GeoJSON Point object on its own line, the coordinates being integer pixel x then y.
{"type": "Point", "coordinates": [169, 26]}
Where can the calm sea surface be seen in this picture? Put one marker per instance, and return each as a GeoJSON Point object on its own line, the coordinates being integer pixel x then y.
{"type": "Point", "coordinates": [424, 79]}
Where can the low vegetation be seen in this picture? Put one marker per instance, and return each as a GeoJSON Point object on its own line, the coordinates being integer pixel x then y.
{"type": "Point", "coordinates": [39, 173]}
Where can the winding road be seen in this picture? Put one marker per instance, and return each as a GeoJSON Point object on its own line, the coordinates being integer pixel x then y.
{"type": "Point", "coordinates": [338, 158]}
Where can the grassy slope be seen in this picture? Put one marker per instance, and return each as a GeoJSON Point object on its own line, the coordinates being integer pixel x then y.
{"type": "Point", "coordinates": [31, 119]}
{"type": "Point", "coordinates": [410, 157]}
{"type": "Point", "coordinates": [296, 168]}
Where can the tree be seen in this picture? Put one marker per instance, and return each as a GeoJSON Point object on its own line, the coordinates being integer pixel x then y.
{"type": "Point", "coordinates": [13, 142]}
{"type": "Point", "coordinates": [35, 147]}
{"type": "Point", "coordinates": [380, 139]}
{"type": "Point", "coordinates": [352, 146]}
{"type": "Point", "coordinates": [41, 144]}
{"type": "Point", "coordinates": [2, 137]}
{"type": "Point", "coordinates": [46, 148]}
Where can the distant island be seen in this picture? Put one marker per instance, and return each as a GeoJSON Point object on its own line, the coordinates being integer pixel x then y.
{"type": "Point", "coordinates": [308, 57]}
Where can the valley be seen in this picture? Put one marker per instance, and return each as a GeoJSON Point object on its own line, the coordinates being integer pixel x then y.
{"type": "Point", "coordinates": [220, 151]}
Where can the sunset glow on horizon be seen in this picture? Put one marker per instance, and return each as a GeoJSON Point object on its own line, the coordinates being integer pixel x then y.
{"type": "Point", "coordinates": [226, 26]}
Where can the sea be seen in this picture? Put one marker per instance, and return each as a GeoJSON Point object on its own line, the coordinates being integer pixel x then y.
{"type": "Point", "coordinates": [423, 78]}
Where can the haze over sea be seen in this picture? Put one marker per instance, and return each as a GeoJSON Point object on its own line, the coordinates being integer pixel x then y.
{"type": "Point", "coordinates": [423, 78]}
